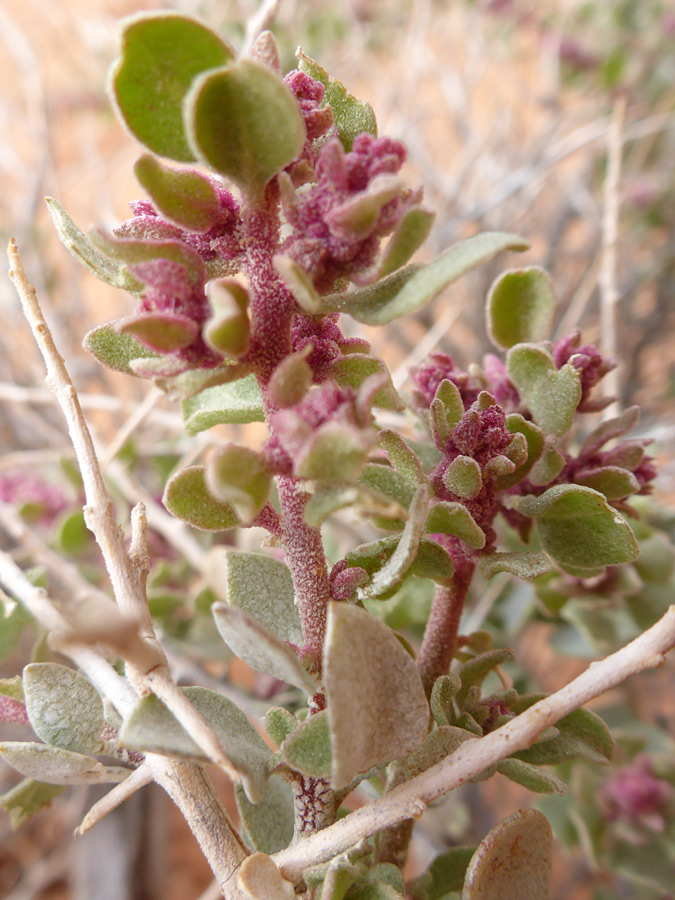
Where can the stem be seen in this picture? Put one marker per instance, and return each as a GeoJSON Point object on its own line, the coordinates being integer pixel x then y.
{"type": "Point", "coordinates": [440, 635]}
{"type": "Point", "coordinates": [314, 804]}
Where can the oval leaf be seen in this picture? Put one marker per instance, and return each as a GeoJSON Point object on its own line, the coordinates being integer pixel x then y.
{"type": "Point", "coordinates": [377, 708]}
{"type": "Point", "coordinates": [228, 118]}
{"type": "Point", "coordinates": [187, 498]}
{"type": "Point", "coordinates": [160, 57]}
{"type": "Point", "coordinates": [184, 197]}
{"type": "Point", "coordinates": [236, 403]}
{"type": "Point", "coordinates": [63, 707]}
{"type": "Point", "coordinates": [53, 765]}
{"type": "Point", "coordinates": [514, 861]}
{"type": "Point", "coordinates": [520, 307]}
{"type": "Point", "coordinates": [269, 823]}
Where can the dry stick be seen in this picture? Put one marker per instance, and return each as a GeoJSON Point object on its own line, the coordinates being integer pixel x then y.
{"type": "Point", "coordinates": [139, 778]}
{"type": "Point", "coordinates": [141, 412]}
{"type": "Point", "coordinates": [609, 294]}
{"type": "Point", "coordinates": [185, 783]}
{"type": "Point", "coordinates": [473, 757]}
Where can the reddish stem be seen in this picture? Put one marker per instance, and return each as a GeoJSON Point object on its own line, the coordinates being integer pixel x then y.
{"type": "Point", "coordinates": [440, 636]}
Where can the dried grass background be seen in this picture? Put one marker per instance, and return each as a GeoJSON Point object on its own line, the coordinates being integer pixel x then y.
{"type": "Point", "coordinates": [498, 138]}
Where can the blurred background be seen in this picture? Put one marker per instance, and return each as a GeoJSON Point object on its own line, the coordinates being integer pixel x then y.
{"type": "Point", "coordinates": [510, 110]}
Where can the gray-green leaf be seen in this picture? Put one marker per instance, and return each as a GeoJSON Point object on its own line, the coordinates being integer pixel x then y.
{"type": "Point", "coordinates": [63, 707]}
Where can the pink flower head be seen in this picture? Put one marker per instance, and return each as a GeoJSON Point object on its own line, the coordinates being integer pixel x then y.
{"type": "Point", "coordinates": [633, 794]}
{"type": "Point", "coordinates": [501, 386]}
{"type": "Point", "coordinates": [338, 222]}
{"type": "Point", "coordinates": [591, 364]}
{"type": "Point", "coordinates": [325, 337]}
{"type": "Point", "coordinates": [482, 433]}
{"type": "Point", "coordinates": [318, 119]}
{"type": "Point", "coordinates": [38, 499]}
{"type": "Point", "coordinates": [438, 368]}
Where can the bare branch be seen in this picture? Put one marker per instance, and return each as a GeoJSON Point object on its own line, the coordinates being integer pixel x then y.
{"type": "Point", "coordinates": [473, 757]}
{"type": "Point", "coordinates": [115, 797]}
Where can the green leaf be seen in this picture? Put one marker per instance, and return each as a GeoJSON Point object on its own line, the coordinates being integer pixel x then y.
{"type": "Point", "coordinates": [327, 500]}
{"type": "Point", "coordinates": [63, 707]}
{"type": "Point", "coordinates": [115, 350]}
{"type": "Point", "coordinates": [260, 648]}
{"type": "Point", "coordinates": [609, 429]}
{"type": "Point", "coordinates": [579, 529]}
{"type": "Point", "coordinates": [228, 114]}
{"type": "Point", "coordinates": [308, 748]}
{"type": "Point", "coordinates": [53, 765]}
{"type": "Point", "coordinates": [12, 626]}
{"type": "Point", "coordinates": [377, 708]}
{"type": "Point", "coordinates": [446, 517]}
{"type": "Point", "coordinates": [388, 482]}
{"type": "Point", "coordinates": [161, 55]}
{"type": "Point", "coordinates": [336, 452]}
{"type": "Point", "coordinates": [402, 457]}
{"type": "Point", "coordinates": [187, 497]}
{"type": "Point", "coordinates": [520, 307]}
{"type": "Point", "coordinates": [475, 671]}
{"type": "Point", "coordinates": [514, 861]}
{"type": "Point", "coordinates": [352, 116]}
{"type": "Point", "coordinates": [185, 197]}
{"type": "Point", "coordinates": [535, 440]}
{"type": "Point", "coordinates": [238, 476]}
{"type": "Point", "coordinates": [236, 403]}
{"type": "Point", "coordinates": [447, 873]}
{"type": "Point", "coordinates": [581, 734]}
{"type": "Point", "coordinates": [269, 823]}
{"type": "Point", "coordinates": [438, 744]}
{"type": "Point", "coordinates": [84, 251]}
{"type": "Point", "coordinates": [446, 409]}
{"type": "Point", "coordinates": [523, 564]}
{"type": "Point", "coordinates": [547, 468]}
{"type": "Point", "coordinates": [132, 250]}
{"type": "Point", "coordinates": [531, 777]}
{"type": "Point", "coordinates": [259, 585]}
{"type": "Point", "coordinates": [393, 570]}
{"type": "Point", "coordinates": [27, 798]}
{"type": "Point", "coordinates": [463, 477]}
{"type": "Point", "coordinates": [150, 728]}
{"type": "Point", "coordinates": [409, 289]}
{"type": "Point", "coordinates": [352, 370]}
{"type": "Point", "coordinates": [612, 481]}
{"type": "Point", "coordinates": [298, 283]}
{"type": "Point", "coordinates": [279, 723]}
{"type": "Point", "coordinates": [291, 380]}
{"type": "Point", "coordinates": [409, 235]}
{"type": "Point", "coordinates": [72, 534]}
{"type": "Point", "coordinates": [444, 690]}
{"type": "Point", "coordinates": [228, 331]}
{"type": "Point", "coordinates": [159, 331]}
{"type": "Point", "coordinates": [552, 395]}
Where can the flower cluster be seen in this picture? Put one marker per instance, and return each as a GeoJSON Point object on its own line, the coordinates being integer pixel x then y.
{"type": "Point", "coordinates": [636, 797]}
{"type": "Point", "coordinates": [339, 220]}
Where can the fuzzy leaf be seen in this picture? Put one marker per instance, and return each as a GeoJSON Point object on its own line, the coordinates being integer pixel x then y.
{"type": "Point", "coordinates": [327, 500]}
{"type": "Point", "coordinates": [27, 798]}
{"type": "Point", "coordinates": [236, 403]}
{"type": "Point", "coordinates": [259, 585]}
{"type": "Point", "coordinates": [579, 529]}
{"type": "Point", "coordinates": [446, 873]}
{"type": "Point", "coordinates": [53, 765]}
{"type": "Point", "coordinates": [444, 690]}
{"type": "Point", "coordinates": [609, 429]}
{"type": "Point", "coordinates": [409, 235]}
{"type": "Point", "coordinates": [520, 307]}
{"type": "Point", "coordinates": [535, 440]}
{"type": "Point", "coordinates": [552, 395]}
{"type": "Point", "coordinates": [132, 251]}
{"type": "Point", "coordinates": [463, 477]}
{"type": "Point", "coordinates": [531, 777]}
{"type": "Point", "coordinates": [308, 748]}
{"type": "Point", "coordinates": [298, 283]}
{"type": "Point", "coordinates": [352, 370]}
{"type": "Point", "coordinates": [386, 577]}
{"type": "Point", "coordinates": [401, 456]}
{"type": "Point", "coordinates": [238, 476]}
{"type": "Point", "coordinates": [259, 879]}
{"type": "Point", "coordinates": [160, 57]}
{"type": "Point", "coordinates": [388, 482]}
{"type": "Point", "coordinates": [409, 289]}
{"type": "Point", "coordinates": [377, 708]}
{"type": "Point", "coordinates": [291, 380]}
{"type": "Point", "coordinates": [160, 332]}
{"type": "Point", "coordinates": [547, 468]}
{"type": "Point", "coordinates": [260, 648]}
{"type": "Point", "coordinates": [447, 517]}
{"type": "Point", "coordinates": [115, 350]}
{"type": "Point", "coordinates": [84, 251]}
{"type": "Point", "coordinates": [476, 670]}
{"type": "Point", "coordinates": [228, 114]}
{"type": "Point", "coordinates": [279, 723]}
{"type": "Point", "coordinates": [523, 564]}
{"type": "Point", "coordinates": [581, 734]}
{"type": "Point", "coordinates": [63, 707]}
{"type": "Point", "coordinates": [612, 481]}
{"type": "Point", "coordinates": [336, 452]}
{"type": "Point", "coordinates": [186, 497]}
{"type": "Point", "coordinates": [269, 823]}
{"type": "Point", "coordinates": [514, 861]}
{"type": "Point", "coordinates": [352, 116]}
{"type": "Point", "coordinates": [438, 744]}
{"type": "Point", "coordinates": [150, 728]}
{"type": "Point", "coordinates": [185, 197]}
